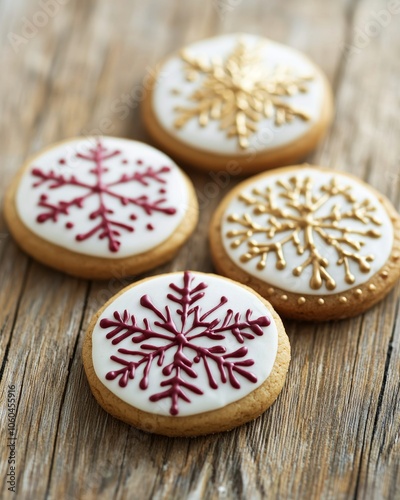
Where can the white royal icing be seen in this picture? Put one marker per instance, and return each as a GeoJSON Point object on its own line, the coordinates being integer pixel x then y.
{"type": "Point", "coordinates": [261, 349]}
{"type": "Point", "coordinates": [380, 248]}
{"type": "Point", "coordinates": [142, 238]}
{"type": "Point", "coordinates": [212, 138]}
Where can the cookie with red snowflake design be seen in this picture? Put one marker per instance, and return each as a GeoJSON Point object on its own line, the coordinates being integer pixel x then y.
{"type": "Point", "coordinates": [185, 354]}
{"type": "Point", "coordinates": [317, 243]}
{"type": "Point", "coordinates": [101, 207]}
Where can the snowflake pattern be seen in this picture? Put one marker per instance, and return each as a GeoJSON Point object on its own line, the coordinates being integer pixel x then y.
{"type": "Point", "coordinates": [300, 221]}
{"type": "Point", "coordinates": [105, 223]}
{"type": "Point", "coordinates": [240, 91]}
{"type": "Point", "coordinates": [157, 337]}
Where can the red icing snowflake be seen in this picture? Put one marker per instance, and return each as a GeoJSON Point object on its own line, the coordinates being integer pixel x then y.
{"type": "Point", "coordinates": [194, 323]}
{"type": "Point", "coordinates": [105, 221]}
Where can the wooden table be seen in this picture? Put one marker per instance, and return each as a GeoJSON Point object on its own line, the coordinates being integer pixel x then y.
{"type": "Point", "coordinates": [334, 431]}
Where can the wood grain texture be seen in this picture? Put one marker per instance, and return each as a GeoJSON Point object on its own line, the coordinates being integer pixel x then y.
{"type": "Point", "coordinates": [334, 431]}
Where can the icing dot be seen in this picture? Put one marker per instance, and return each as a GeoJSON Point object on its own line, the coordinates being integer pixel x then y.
{"type": "Point", "coordinates": [270, 291]}
{"type": "Point", "coordinates": [124, 162]}
{"type": "Point", "coordinates": [62, 161]}
{"type": "Point", "coordinates": [371, 287]}
{"type": "Point", "coordinates": [139, 162]}
{"type": "Point", "coordinates": [301, 301]}
{"type": "Point", "coordinates": [321, 302]}
{"type": "Point", "coordinates": [133, 217]}
{"type": "Point", "coordinates": [284, 297]}
{"type": "Point", "coordinates": [69, 225]}
{"type": "Point", "coordinates": [358, 292]}
{"type": "Point", "coordinates": [162, 191]}
{"type": "Point", "coordinates": [43, 197]}
{"type": "Point", "coordinates": [342, 299]}
{"type": "Point", "coordinates": [150, 227]}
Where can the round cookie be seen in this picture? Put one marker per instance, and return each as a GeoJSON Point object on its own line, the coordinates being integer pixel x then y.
{"type": "Point", "coordinates": [186, 354]}
{"type": "Point", "coordinates": [319, 244]}
{"type": "Point", "coordinates": [237, 102]}
{"type": "Point", "coordinates": [101, 207]}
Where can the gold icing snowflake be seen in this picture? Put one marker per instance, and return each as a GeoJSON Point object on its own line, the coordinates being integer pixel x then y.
{"type": "Point", "coordinates": [300, 221]}
{"type": "Point", "coordinates": [240, 91]}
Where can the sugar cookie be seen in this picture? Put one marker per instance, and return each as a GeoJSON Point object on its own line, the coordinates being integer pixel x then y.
{"type": "Point", "coordinates": [237, 102]}
{"type": "Point", "coordinates": [319, 244]}
{"type": "Point", "coordinates": [185, 354]}
{"type": "Point", "coordinates": [100, 208]}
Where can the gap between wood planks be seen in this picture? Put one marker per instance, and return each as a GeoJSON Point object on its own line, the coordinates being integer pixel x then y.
{"type": "Point", "coordinates": [71, 360]}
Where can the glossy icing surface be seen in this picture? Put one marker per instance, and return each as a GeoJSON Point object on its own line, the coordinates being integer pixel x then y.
{"type": "Point", "coordinates": [105, 197]}
{"type": "Point", "coordinates": [312, 231]}
{"type": "Point", "coordinates": [178, 91]}
{"type": "Point", "coordinates": [184, 343]}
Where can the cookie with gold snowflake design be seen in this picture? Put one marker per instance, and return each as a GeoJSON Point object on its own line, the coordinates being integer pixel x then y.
{"type": "Point", "coordinates": [237, 102]}
{"type": "Point", "coordinates": [319, 244]}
